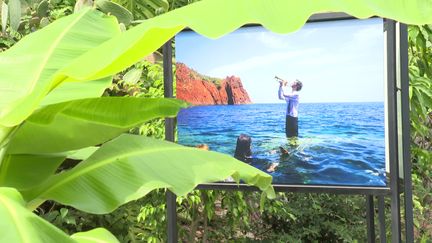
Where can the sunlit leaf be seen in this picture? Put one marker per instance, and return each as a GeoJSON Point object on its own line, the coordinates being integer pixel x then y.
{"type": "Point", "coordinates": [81, 154]}
{"type": "Point", "coordinates": [131, 166]}
{"type": "Point", "coordinates": [99, 235]}
{"type": "Point", "coordinates": [132, 76]}
{"type": "Point", "coordinates": [29, 69]}
{"type": "Point", "coordinates": [77, 90]}
{"type": "Point", "coordinates": [81, 123]}
{"type": "Point", "coordinates": [26, 170]}
{"type": "Point", "coordinates": [20, 225]}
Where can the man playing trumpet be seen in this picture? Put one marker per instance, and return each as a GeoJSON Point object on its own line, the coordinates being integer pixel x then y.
{"type": "Point", "coordinates": [292, 100]}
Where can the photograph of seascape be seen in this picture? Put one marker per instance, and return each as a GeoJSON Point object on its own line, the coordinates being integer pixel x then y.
{"type": "Point", "coordinates": [305, 107]}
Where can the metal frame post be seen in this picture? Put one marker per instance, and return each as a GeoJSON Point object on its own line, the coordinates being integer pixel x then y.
{"type": "Point", "coordinates": [392, 128]}
{"type": "Point", "coordinates": [370, 218]}
{"type": "Point", "coordinates": [381, 219]}
{"type": "Point", "coordinates": [172, 234]}
{"type": "Point", "coordinates": [405, 125]}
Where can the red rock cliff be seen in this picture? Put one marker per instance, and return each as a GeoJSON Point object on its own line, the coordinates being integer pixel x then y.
{"type": "Point", "coordinates": [201, 90]}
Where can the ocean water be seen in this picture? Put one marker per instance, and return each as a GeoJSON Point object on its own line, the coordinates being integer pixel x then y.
{"type": "Point", "coordinates": [338, 144]}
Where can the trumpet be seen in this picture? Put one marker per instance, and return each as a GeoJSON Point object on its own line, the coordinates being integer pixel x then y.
{"type": "Point", "coordinates": [279, 79]}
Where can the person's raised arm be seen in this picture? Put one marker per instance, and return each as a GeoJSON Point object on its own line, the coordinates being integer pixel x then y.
{"type": "Point", "coordinates": [281, 92]}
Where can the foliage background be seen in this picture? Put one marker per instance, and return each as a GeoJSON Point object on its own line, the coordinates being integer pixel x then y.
{"type": "Point", "coordinates": [228, 215]}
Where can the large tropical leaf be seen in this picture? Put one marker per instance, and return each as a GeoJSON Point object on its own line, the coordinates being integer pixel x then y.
{"type": "Point", "coordinates": [130, 166]}
{"type": "Point", "coordinates": [214, 18]}
{"type": "Point", "coordinates": [4, 133]}
{"type": "Point", "coordinates": [77, 90]}
{"type": "Point", "coordinates": [81, 123]}
{"type": "Point", "coordinates": [23, 171]}
{"type": "Point", "coordinates": [81, 154]}
{"type": "Point", "coordinates": [98, 235]}
{"type": "Point", "coordinates": [19, 225]}
{"type": "Point", "coordinates": [29, 69]}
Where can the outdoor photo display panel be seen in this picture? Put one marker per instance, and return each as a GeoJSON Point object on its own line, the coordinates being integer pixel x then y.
{"type": "Point", "coordinates": [306, 107]}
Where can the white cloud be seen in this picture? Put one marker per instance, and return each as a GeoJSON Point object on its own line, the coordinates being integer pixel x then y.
{"type": "Point", "coordinates": [368, 34]}
{"type": "Point", "coordinates": [260, 61]}
{"type": "Point", "coordinates": [272, 40]}
{"type": "Point", "coordinates": [326, 58]}
{"type": "Point", "coordinates": [308, 32]}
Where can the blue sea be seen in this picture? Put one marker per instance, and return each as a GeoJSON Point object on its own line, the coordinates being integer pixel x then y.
{"type": "Point", "coordinates": [338, 144]}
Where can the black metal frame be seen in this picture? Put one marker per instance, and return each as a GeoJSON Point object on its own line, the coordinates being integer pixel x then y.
{"type": "Point", "coordinates": [169, 136]}
{"type": "Point", "coordinates": [397, 70]}
{"type": "Point", "coordinates": [405, 136]}
{"type": "Point", "coordinates": [370, 218]}
{"type": "Point", "coordinates": [393, 137]}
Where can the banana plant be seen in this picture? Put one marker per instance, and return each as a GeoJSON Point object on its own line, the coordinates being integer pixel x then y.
{"type": "Point", "coordinates": [50, 110]}
{"type": "Point", "coordinates": [48, 117]}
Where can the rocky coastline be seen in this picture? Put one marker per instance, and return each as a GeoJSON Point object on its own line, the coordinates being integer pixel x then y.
{"type": "Point", "coordinates": [199, 89]}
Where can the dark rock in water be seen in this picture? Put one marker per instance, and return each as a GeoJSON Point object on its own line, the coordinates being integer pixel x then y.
{"type": "Point", "coordinates": [199, 89]}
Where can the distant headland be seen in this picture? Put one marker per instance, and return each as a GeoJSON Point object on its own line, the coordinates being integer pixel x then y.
{"type": "Point", "coordinates": [199, 89]}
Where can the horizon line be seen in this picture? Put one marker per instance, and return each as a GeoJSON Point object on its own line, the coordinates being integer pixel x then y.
{"type": "Point", "coordinates": [257, 103]}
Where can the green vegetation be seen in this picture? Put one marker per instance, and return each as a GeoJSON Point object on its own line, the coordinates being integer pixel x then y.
{"type": "Point", "coordinates": [36, 146]}
{"type": "Point", "coordinates": [420, 71]}
{"type": "Point", "coordinates": [51, 112]}
{"type": "Point", "coordinates": [195, 75]}
{"type": "Point", "coordinates": [215, 81]}
{"type": "Point", "coordinates": [20, 18]}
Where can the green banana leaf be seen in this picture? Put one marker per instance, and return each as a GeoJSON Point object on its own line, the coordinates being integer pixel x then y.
{"type": "Point", "coordinates": [214, 18]}
{"type": "Point", "coordinates": [98, 235]}
{"type": "Point", "coordinates": [67, 91]}
{"type": "Point", "coordinates": [20, 225]}
{"type": "Point", "coordinates": [81, 154]}
{"type": "Point", "coordinates": [4, 134]}
{"type": "Point", "coordinates": [24, 171]}
{"type": "Point", "coordinates": [81, 123]}
{"type": "Point", "coordinates": [130, 166]}
{"type": "Point", "coordinates": [29, 69]}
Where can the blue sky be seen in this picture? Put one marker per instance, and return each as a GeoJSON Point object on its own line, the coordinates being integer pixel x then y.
{"type": "Point", "coordinates": [337, 61]}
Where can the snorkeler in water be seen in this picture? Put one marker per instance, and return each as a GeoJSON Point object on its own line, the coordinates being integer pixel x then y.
{"type": "Point", "coordinates": [243, 149]}
{"type": "Point", "coordinates": [243, 152]}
